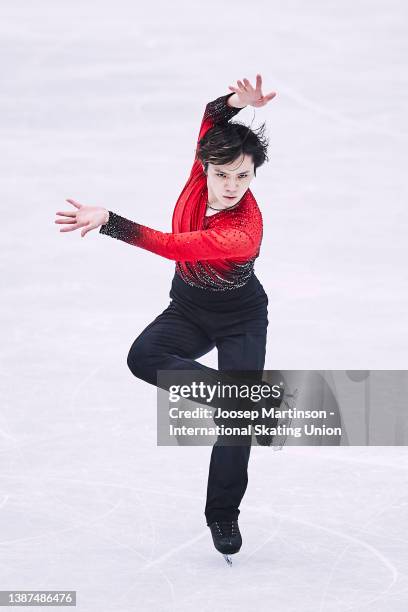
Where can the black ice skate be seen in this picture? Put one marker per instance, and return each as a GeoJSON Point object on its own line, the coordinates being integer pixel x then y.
{"type": "Point", "coordinates": [288, 402]}
{"type": "Point", "coordinates": [268, 423]}
{"type": "Point", "coordinates": [226, 537]}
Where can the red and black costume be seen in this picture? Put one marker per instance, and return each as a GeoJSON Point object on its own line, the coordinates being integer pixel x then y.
{"type": "Point", "coordinates": [216, 252]}
{"type": "Point", "coordinates": [216, 301]}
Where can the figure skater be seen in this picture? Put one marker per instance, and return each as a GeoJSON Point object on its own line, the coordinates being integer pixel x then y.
{"type": "Point", "coordinates": [216, 298]}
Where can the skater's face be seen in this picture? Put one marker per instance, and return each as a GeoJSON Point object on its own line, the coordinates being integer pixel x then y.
{"type": "Point", "coordinates": [227, 183]}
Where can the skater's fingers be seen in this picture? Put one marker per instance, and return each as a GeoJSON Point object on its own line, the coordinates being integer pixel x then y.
{"type": "Point", "coordinates": [258, 85]}
{"type": "Point", "coordinates": [264, 100]}
{"type": "Point", "coordinates": [65, 221]}
{"type": "Point", "coordinates": [268, 98]}
{"type": "Point", "coordinates": [71, 228]}
{"type": "Point", "coordinates": [66, 213]}
{"type": "Point", "coordinates": [88, 227]}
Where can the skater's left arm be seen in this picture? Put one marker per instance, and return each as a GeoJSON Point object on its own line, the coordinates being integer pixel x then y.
{"type": "Point", "coordinates": [224, 108]}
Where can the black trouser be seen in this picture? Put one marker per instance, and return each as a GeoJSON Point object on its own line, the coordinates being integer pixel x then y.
{"type": "Point", "coordinates": [197, 320]}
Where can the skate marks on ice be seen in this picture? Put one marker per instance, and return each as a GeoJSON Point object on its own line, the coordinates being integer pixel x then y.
{"type": "Point", "coordinates": [356, 555]}
{"type": "Point", "coordinates": [356, 125]}
{"type": "Point", "coordinates": [289, 402]}
{"type": "Point", "coordinates": [351, 541]}
{"type": "Point", "coordinates": [249, 559]}
{"type": "Point", "coordinates": [86, 523]}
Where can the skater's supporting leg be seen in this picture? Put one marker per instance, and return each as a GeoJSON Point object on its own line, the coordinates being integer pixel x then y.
{"type": "Point", "coordinates": [228, 472]}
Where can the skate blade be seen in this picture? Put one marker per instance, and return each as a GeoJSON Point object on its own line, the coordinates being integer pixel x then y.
{"type": "Point", "coordinates": [228, 559]}
{"type": "Point", "coordinates": [280, 441]}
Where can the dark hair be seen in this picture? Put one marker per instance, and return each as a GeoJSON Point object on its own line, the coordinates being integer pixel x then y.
{"type": "Point", "coordinates": [225, 143]}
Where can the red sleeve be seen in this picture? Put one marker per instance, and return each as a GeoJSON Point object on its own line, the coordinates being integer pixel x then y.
{"type": "Point", "coordinates": [223, 243]}
{"type": "Point", "coordinates": [217, 111]}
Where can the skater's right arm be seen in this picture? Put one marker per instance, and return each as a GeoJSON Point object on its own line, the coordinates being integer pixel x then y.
{"type": "Point", "coordinates": [205, 245]}
{"type": "Point", "coordinates": [231, 241]}
{"type": "Point", "coordinates": [87, 217]}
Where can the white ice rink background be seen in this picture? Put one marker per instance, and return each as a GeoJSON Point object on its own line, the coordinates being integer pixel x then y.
{"type": "Point", "coordinates": [101, 102]}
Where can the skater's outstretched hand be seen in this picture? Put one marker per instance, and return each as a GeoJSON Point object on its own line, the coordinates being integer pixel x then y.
{"type": "Point", "coordinates": [250, 96]}
{"type": "Point", "coordinates": [88, 217]}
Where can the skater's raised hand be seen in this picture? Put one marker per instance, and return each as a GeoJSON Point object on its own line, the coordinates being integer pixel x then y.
{"type": "Point", "coordinates": [251, 96]}
{"type": "Point", "coordinates": [88, 217]}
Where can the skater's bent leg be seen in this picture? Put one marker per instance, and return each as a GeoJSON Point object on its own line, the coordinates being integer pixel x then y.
{"type": "Point", "coordinates": [173, 342]}
{"type": "Point", "coordinates": [170, 342]}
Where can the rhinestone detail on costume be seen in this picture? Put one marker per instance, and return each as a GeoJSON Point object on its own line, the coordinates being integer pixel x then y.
{"type": "Point", "coordinates": [217, 252]}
